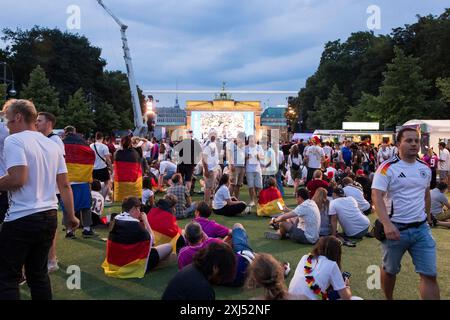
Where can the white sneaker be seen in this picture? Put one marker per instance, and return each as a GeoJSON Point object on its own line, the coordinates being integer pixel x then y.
{"type": "Point", "coordinates": [52, 266]}
{"type": "Point", "coordinates": [251, 204]}
{"type": "Point", "coordinates": [247, 210]}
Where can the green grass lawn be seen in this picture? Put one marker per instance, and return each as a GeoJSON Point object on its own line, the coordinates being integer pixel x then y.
{"type": "Point", "coordinates": [89, 254]}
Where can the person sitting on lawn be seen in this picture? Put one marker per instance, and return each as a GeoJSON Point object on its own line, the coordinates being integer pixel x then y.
{"type": "Point", "coordinates": [438, 201]}
{"type": "Point", "coordinates": [185, 207]}
{"type": "Point", "coordinates": [212, 265]}
{"type": "Point", "coordinates": [352, 190]}
{"type": "Point", "coordinates": [301, 224]}
{"type": "Point", "coordinates": [98, 203]}
{"type": "Point", "coordinates": [164, 224]}
{"type": "Point", "coordinates": [211, 228]}
{"type": "Point", "coordinates": [224, 204]}
{"type": "Point", "coordinates": [318, 275]}
{"type": "Point", "coordinates": [316, 182]}
{"type": "Point", "coordinates": [345, 210]}
{"type": "Point", "coordinates": [148, 197]}
{"type": "Point", "coordinates": [130, 251]}
{"type": "Point", "coordinates": [269, 200]}
{"type": "Point", "coordinates": [321, 199]}
{"type": "Point", "coordinates": [268, 273]}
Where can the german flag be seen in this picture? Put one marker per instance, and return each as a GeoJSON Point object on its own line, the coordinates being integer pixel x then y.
{"type": "Point", "coordinates": [127, 249]}
{"type": "Point", "coordinates": [267, 203]}
{"type": "Point", "coordinates": [164, 226]}
{"type": "Point", "coordinates": [80, 159]}
{"type": "Point", "coordinates": [127, 175]}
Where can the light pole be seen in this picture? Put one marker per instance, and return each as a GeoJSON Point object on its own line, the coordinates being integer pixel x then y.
{"type": "Point", "coordinates": [7, 82]}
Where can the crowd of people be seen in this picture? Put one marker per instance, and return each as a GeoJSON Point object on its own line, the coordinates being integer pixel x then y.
{"type": "Point", "coordinates": [336, 187]}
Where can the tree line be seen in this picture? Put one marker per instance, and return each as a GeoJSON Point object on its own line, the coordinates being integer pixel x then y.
{"type": "Point", "coordinates": [386, 78]}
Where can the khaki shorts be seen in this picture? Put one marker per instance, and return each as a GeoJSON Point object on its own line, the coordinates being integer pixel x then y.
{"type": "Point", "coordinates": [443, 216]}
{"type": "Point", "coordinates": [237, 176]}
{"type": "Point", "coordinates": [211, 181]}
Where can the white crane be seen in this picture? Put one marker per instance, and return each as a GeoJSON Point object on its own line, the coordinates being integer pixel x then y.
{"type": "Point", "coordinates": [140, 126]}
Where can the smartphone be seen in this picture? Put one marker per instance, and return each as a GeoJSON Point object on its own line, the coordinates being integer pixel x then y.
{"type": "Point", "coordinates": [280, 206]}
{"type": "Point", "coordinates": [346, 275]}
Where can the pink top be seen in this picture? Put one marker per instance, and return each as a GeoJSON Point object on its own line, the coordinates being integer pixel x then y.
{"type": "Point", "coordinates": [187, 253]}
{"type": "Point", "coordinates": [211, 228]}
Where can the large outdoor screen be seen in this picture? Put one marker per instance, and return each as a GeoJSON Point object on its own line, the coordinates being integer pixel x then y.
{"type": "Point", "coordinates": [227, 124]}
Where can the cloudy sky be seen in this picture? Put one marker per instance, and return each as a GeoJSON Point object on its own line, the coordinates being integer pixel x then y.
{"type": "Point", "coordinates": [250, 44]}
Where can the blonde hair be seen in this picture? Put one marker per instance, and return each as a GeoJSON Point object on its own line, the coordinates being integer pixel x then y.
{"type": "Point", "coordinates": [321, 199]}
{"type": "Point", "coordinates": [24, 107]}
{"type": "Point", "coordinates": [267, 272]}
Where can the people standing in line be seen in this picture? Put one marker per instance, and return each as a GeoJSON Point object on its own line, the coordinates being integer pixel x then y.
{"type": "Point", "coordinates": [406, 180]}
{"type": "Point", "coordinates": [45, 123]}
{"type": "Point", "coordinates": [35, 166]}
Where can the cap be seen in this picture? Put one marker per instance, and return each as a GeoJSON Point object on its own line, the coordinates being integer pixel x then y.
{"type": "Point", "coordinates": [316, 139]}
{"type": "Point", "coordinates": [330, 174]}
{"type": "Point", "coordinates": [360, 172]}
{"type": "Point", "coordinates": [339, 192]}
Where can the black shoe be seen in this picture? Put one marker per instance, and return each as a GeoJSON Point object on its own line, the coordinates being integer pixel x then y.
{"type": "Point", "coordinates": [70, 235]}
{"type": "Point", "coordinates": [88, 233]}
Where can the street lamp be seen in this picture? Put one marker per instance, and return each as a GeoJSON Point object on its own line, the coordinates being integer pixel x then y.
{"type": "Point", "coordinates": [11, 92]}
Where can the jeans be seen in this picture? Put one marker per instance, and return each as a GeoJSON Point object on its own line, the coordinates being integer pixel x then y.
{"type": "Point", "coordinates": [280, 183]}
{"type": "Point", "coordinates": [26, 242]}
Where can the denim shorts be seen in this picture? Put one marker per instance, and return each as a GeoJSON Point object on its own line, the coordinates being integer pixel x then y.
{"type": "Point", "coordinates": [421, 246]}
{"type": "Point", "coordinates": [240, 240]}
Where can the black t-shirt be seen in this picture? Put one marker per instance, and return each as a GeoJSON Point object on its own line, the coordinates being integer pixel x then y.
{"type": "Point", "coordinates": [189, 284]}
{"type": "Point", "coordinates": [366, 185]}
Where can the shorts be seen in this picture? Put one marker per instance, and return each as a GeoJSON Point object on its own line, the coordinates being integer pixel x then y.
{"type": "Point", "coordinates": [421, 246]}
{"type": "Point", "coordinates": [443, 216]}
{"type": "Point", "coordinates": [360, 235]}
{"type": "Point", "coordinates": [153, 260]}
{"type": "Point", "coordinates": [101, 174]}
{"type": "Point", "coordinates": [168, 175]}
{"type": "Point", "coordinates": [254, 180]}
{"type": "Point", "coordinates": [443, 174]}
{"type": "Point", "coordinates": [210, 182]}
{"type": "Point", "coordinates": [239, 239]}
{"type": "Point", "coordinates": [237, 177]}
{"type": "Point", "coordinates": [81, 197]}
{"type": "Point", "coordinates": [295, 174]}
{"type": "Point", "coordinates": [298, 235]}
{"type": "Point", "coordinates": [186, 171]}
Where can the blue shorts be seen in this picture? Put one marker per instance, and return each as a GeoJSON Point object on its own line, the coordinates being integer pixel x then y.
{"type": "Point", "coordinates": [421, 246]}
{"type": "Point", "coordinates": [168, 175]}
{"type": "Point", "coordinates": [240, 240]}
{"type": "Point", "coordinates": [81, 197]}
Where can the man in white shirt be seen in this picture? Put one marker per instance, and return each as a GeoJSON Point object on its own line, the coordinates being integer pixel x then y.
{"type": "Point", "coordinates": [4, 203]}
{"type": "Point", "coordinates": [351, 190]}
{"type": "Point", "coordinates": [314, 157]}
{"type": "Point", "coordinates": [211, 168]}
{"type": "Point", "coordinates": [444, 163]}
{"type": "Point", "coordinates": [44, 124]}
{"type": "Point", "coordinates": [34, 167]}
{"type": "Point", "coordinates": [406, 181]}
{"type": "Point", "coordinates": [166, 171]}
{"type": "Point", "coordinates": [236, 162]}
{"type": "Point", "coordinates": [384, 153]}
{"type": "Point", "coordinates": [253, 156]}
{"type": "Point", "coordinates": [345, 210]}
{"type": "Point", "coordinates": [102, 164]}
{"type": "Point", "coordinates": [301, 224]}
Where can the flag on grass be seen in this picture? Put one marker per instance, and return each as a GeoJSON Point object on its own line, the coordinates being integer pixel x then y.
{"type": "Point", "coordinates": [127, 249]}
{"type": "Point", "coordinates": [127, 175]}
{"type": "Point", "coordinates": [268, 202]}
{"type": "Point", "coordinates": [79, 158]}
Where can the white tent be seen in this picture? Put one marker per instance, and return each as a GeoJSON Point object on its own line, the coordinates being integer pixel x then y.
{"type": "Point", "coordinates": [433, 131]}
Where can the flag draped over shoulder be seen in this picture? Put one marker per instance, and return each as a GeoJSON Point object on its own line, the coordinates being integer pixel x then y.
{"type": "Point", "coordinates": [127, 249]}
{"type": "Point", "coordinates": [127, 175]}
{"type": "Point", "coordinates": [164, 226]}
{"type": "Point", "coordinates": [79, 158]}
{"type": "Point", "coordinates": [267, 203]}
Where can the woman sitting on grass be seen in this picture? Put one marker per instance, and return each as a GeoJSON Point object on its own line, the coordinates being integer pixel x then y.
{"type": "Point", "coordinates": [224, 204]}
{"type": "Point", "coordinates": [321, 199]}
{"type": "Point", "coordinates": [130, 251]}
{"type": "Point", "coordinates": [318, 275]}
{"type": "Point", "coordinates": [268, 273]}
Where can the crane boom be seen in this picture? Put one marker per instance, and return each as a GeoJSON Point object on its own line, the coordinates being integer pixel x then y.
{"type": "Point", "coordinates": [140, 127]}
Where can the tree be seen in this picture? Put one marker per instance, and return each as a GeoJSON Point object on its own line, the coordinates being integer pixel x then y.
{"type": "Point", "coordinates": [331, 112]}
{"type": "Point", "coordinates": [403, 94]}
{"type": "Point", "coordinates": [368, 109]}
{"type": "Point", "coordinates": [78, 113]}
{"type": "Point", "coordinates": [444, 87]}
{"type": "Point", "coordinates": [106, 119]}
{"type": "Point", "coordinates": [43, 95]}
{"type": "Point", "coordinates": [2, 94]}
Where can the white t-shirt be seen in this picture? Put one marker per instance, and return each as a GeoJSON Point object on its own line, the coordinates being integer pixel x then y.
{"type": "Point", "coordinates": [350, 217]}
{"type": "Point", "coordinates": [98, 203]}
{"type": "Point", "coordinates": [146, 195]}
{"type": "Point", "coordinates": [60, 144]}
{"type": "Point", "coordinates": [405, 184]}
{"type": "Point", "coordinates": [211, 153]}
{"type": "Point", "coordinates": [327, 150]}
{"type": "Point", "coordinates": [4, 132]}
{"type": "Point", "coordinates": [221, 197]}
{"type": "Point", "coordinates": [314, 154]}
{"type": "Point", "coordinates": [253, 164]}
{"type": "Point", "coordinates": [296, 160]}
{"type": "Point", "coordinates": [358, 195]}
{"type": "Point", "coordinates": [309, 219]}
{"type": "Point", "coordinates": [44, 161]}
{"type": "Point", "coordinates": [438, 200]}
{"type": "Point", "coordinates": [326, 273]}
{"type": "Point", "coordinates": [270, 160]}
{"type": "Point", "coordinates": [166, 167]}
{"type": "Point", "coordinates": [236, 155]}
{"type": "Point", "coordinates": [445, 156]}
{"type": "Point", "coordinates": [384, 155]}
{"type": "Point", "coordinates": [103, 151]}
